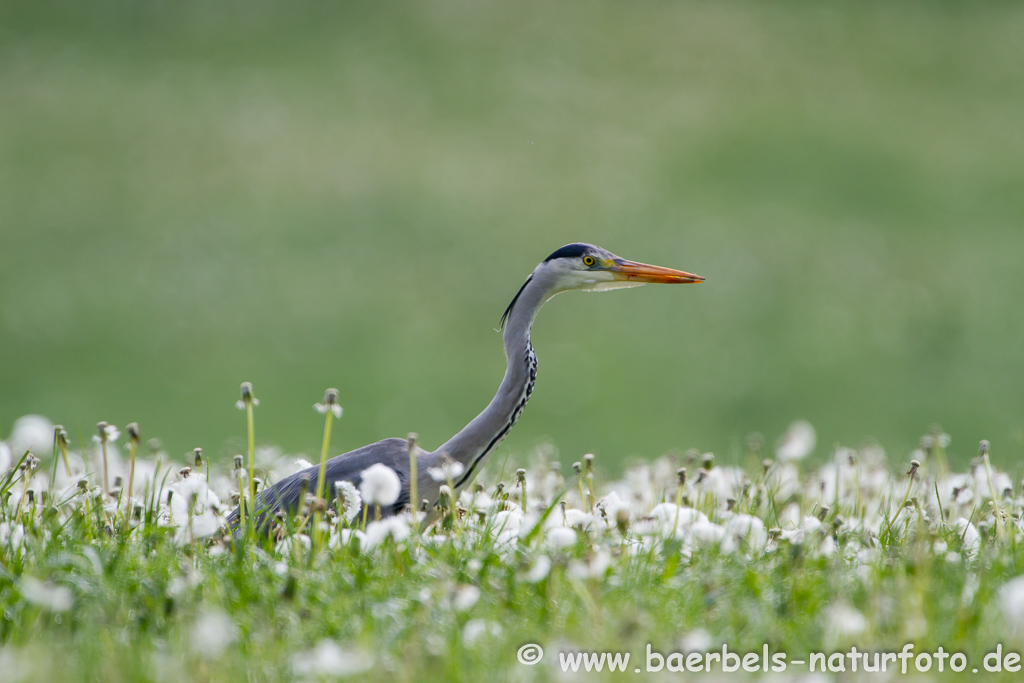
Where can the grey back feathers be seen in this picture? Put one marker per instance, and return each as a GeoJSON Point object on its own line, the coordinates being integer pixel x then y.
{"type": "Point", "coordinates": [286, 494]}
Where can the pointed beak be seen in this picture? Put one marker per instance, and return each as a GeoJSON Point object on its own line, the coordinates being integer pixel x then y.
{"type": "Point", "coordinates": [641, 272]}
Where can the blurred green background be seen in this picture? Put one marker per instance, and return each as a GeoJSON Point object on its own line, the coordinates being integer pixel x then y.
{"type": "Point", "coordinates": [308, 195]}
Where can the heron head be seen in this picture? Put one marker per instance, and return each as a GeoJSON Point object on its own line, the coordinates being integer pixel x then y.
{"type": "Point", "coordinates": [590, 268]}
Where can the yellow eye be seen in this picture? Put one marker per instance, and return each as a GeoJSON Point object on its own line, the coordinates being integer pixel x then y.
{"type": "Point", "coordinates": [588, 261]}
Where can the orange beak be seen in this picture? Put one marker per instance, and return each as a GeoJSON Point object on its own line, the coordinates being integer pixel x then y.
{"type": "Point", "coordinates": [641, 272]}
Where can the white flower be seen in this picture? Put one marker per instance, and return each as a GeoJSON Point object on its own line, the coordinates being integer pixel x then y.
{"type": "Point", "coordinates": [1011, 598]}
{"type": "Point", "coordinates": [540, 569]}
{"type": "Point", "coordinates": [380, 485]}
{"type": "Point", "coordinates": [286, 547]}
{"type": "Point", "coordinates": [844, 622]}
{"type": "Point", "coordinates": [668, 520]}
{"type": "Point", "coordinates": [194, 509]}
{"type": "Point", "coordinates": [351, 501]}
{"type": "Point", "coordinates": [798, 442]}
{"type": "Point", "coordinates": [744, 531]}
{"type": "Point", "coordinates": [465, 597]}
{"type": "Point", "coordinates": [707, 532]}
{"type": "Point", "coordinates": [212, 633]}
{"type": "Point", "coordinates": [560, 537]}
{"type": "Point", "coordinates": [302, 464]}
{"type": "Point", "coordinates": [595, 569]}
{"type": "Point", "coordinates": [344, 537]}
{"type": "Point", "coordinates": [931, 440]}
{"type": "Point", "coordinates": [110, 431]}
{"type": "Point", "coordinates": [807, 527]}
{"type": "Point", "coordinates": [783, 480]}
{"type": "Point", "coordinates": [378, 532]}
{"type": "Point", "coordinates": [508, 526]}
{"type": "Point", "coordinates": [578, 518]}
{"type": "Point", "coordinates": [477, 628]}
{"type": "Point", "coordinates": [448, 470]}
{"type": "Point", "coordinates": [322, 408]}
{"type": "Point", "coordinates": [328, 659]}
{"type": "Point", "coordinates": [30, 432]}
{"type": "Point", "coordinates": [969, 533]}
{"type": "Point", "coordinates": [697, 640]}
{"type": "Point", "coordinates": [240, 404]}
{"type": "Point", "coordinates": [45, 594]}
{"type": "Point", "coordinates": [610, 506]}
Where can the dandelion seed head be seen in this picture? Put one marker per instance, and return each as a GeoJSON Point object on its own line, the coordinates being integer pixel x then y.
{"type": "Point", "coordinates": [394, 528]}
{"type": "Point", "coordinates": [30, 432]}
{"type": "Point", "coordinates": [697, 640]}
{"type": "Point", "coordinates": [107, 433]}
{"type": "Point", "coordinates": [5, 457]}
{"type": "Point", "coordinates": [797, 443]}
{"type": "Point", "coordinates": [446, 470]}
{"type": "Point", "coordinates": [380, 485]}
{"type": "Point", "coordinates": [476, 630]}
{"type": "Point", "coordinates": [351, 501]}
{"type": "Point", "coordinates": [212, 633]}
{"type": "Point", "coordinates": [969, 534]}
{"type": "Point", "coordinates": [48, 595]}
{"type": "Point", "coordinates": [1011, 600]}
{"type": "Point", "coordinates": [465, 597]}
{"type": "Point", "coordinates": [540, 569]}
{"type": "Point", "coordinates": [324, 408]}
{"type": "Point", "coordinates": [843, 623]}
{"type": "Point", "coordinates": [330, 660]}
{"type": "Point", "coordinates": [560, 537]}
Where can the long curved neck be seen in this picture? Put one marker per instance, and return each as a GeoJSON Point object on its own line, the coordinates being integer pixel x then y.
{"type": "Point", "coordinates": [481, 437]}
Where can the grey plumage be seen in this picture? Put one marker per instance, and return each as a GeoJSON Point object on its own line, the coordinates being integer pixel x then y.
{"type": "Point", "coordinates": [285, 494]}
{"type": "Point", "coordinates": [572, 267]}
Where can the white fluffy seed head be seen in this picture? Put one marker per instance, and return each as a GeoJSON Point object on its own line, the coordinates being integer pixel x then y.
{"type": "Point", "coordinates": [798, 442]}
{"type": "Point", "coordinates": [380, 485]}
{"type": "Point", "coordinates": [1011, 596]}
{"type": "Point", "coordinates": [447, 470]}
{"type": "Point", "coordinates": [351, 501]}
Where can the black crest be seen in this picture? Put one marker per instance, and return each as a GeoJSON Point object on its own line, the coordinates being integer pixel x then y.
{"type": "Point", "coordinates": [569, 251]}
{"type": "Point", "coordinates": [504, 316]}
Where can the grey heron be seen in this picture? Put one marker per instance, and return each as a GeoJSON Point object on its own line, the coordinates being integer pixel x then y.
{"type": "Point", "coordinates": [578, 266]}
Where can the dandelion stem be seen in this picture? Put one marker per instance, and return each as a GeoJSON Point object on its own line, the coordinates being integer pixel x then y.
{"type": "Point", "coordinates": [328, 407]}
{"type": "Point", "coordinates": [133, 444]}
{"type": "Point", "coordinates": [413, 483]}
{"type": "Point", "coordinates": [322, 475]}
{"type": "Point", "coordinates": [252, 451]}
{"type": "Point", "coordinates": [102, 427]}
{"type": "Point", "coordinates": [64, 451]}
{"type": "Point", "coordinates": [996, 507]}
{"type": "Point", "coordinates": [56, 442]}
{"type": "Point", "coordinates": [241, 490]}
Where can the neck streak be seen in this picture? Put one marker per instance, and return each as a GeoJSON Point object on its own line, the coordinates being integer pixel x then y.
{"type": "Point", "coordinates": [484, 434]}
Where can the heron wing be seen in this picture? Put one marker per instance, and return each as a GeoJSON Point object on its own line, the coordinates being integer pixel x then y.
{"type": "Point", "coordinates": [286, 494]}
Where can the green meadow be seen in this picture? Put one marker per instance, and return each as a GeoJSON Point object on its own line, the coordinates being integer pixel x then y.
{"type": "Point", "coordinates": [309, 195]}
{"type": "Point", "coordinates": [197, 194]}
